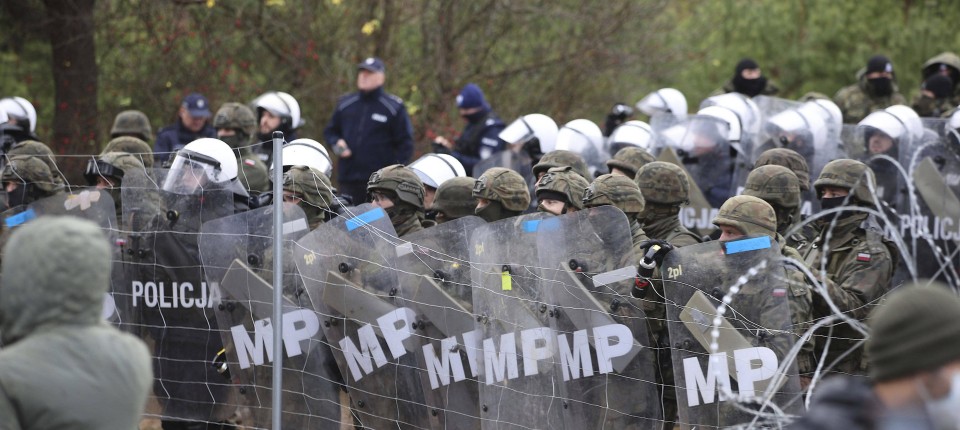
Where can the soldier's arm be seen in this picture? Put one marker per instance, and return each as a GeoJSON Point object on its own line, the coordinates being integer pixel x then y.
{"type": "Point", "coordinates": [862, 277]}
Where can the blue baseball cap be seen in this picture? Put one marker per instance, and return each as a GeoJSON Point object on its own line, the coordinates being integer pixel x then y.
{"type": "Point", "coordinates": [372, 64]}
{"type": "Point", "coordinates": [471, 96]}
{"type": "Point", "coordinates": [197, 105]}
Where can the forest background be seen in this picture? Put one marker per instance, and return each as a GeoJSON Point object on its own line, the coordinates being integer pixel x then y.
{"type": "Point", "coordinates": [80, 62]}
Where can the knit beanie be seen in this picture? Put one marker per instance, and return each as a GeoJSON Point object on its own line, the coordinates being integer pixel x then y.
{"type": "Point", "coordinates": [915, 330]}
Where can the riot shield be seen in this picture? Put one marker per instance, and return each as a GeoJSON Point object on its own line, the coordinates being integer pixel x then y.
{"type": "Point", "coordinates": [517, 366]}
{"type": "Point", "coordinates": [237, 254]}
{"type": "Point", "coordinates": [434, 274]}
{"type": "Point", "coordinates": [519, 162]}
{"type": "Point", "coordinates": [730, 329]}
{"type": "Point", "coordinates": [588, 270]}
{"type": "Point", "coordinates": [346, 269]}
{"type": "Point", "coordinates": [169, 293]}
{"type": "Point", "coordinates": [701, 143]}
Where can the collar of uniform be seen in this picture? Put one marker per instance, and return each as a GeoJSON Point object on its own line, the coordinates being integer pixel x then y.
{"type": "Point", "coordinates": [660, 229]}
{"type": "Point", "coordinates": [841, 227]}
{"type": "Point", "coordinates": [372, 94]}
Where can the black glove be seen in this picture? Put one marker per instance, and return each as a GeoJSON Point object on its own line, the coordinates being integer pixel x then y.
{"type": "Point", "coordinates": [439, 148]}
{"type": "Point", "coordinates": [655, 249]}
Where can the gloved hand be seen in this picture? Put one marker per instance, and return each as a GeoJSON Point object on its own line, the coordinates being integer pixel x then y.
{"type": "Point", "coordinates": [655, 250]}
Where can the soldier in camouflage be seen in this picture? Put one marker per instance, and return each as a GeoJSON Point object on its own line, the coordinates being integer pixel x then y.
{"type": "Point", "coordinates": [560, 158]}
{"type": "Point", "coordinates": [790, 159]}
{"type": "Point", "coordinates": [310, 189]}
{"type": "Point", "coordinates": [399, 192]}
{"type": "Point", "coordinates": [131, 145]}
{"type": "Point", "coordinates": [947, 64]}
{"type": "Point", "coordinates": [779, 187]}
{"type": "Point", "coordinates": [43, 153]}
{"type": "Point", "coordinates": [132, 123]}
{"type": "Point", "coordinates": [560, 190]}
{"type": "Point", "coordinates": [619, 191]}
{"type": "Point", "coordinates": [850, 257]}
{"type": "Point", "coordinates": [454, 199]}
{"type": "Point", "coordinates": [665, 188]}
{"type": "Point", "coordinates": [106, 173]}
{"type": "Point", "coordinates": [501, 193]}
{"type": "Point", "coordinates": [27, 178]}
{"type": "Point", "coordinates": [629, 160]}
{"type": "Point", "coordinates": [876, 89]}
{"type": "Point", "coordinates": [236, 124]}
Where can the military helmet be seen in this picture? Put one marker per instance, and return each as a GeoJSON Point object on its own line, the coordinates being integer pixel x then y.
{"type": "Point", "coordinates": [505, 186]}
{"type": "Point", "coordinates": [850, 174]}
{"type": "Point", "coordinates": [563, 182]}
{"type": "Point", "coordinates": [630, 159]}
{"type": "Point", "coordinates": [112, 164]}
{"type": "Point", "coordinates": [131, 145]}
{"type": "Point", "coordinates": [663, 183]}
{"type": "Point", "coordinates": [400, 180]}
{"type": "Point", "coordinates": [29, 169]}
{"type": "Point", "coordinates": [455, 198]}
{"type": "Point", "coordinates": [774, 184]}
{"type": "Point", "coordinates": [791, 160]}
{"type": "Point", "coordinates": [236, 116]}
{"type": "Point", "coordinates": [749, 214]}
{"type": "Point", "coordinates": [310, 184]}
{"type": "Point", "coordinates": [39, 150]}
{"type": "Point", "coordinates": [561, 158]}
{"type": "Point", "coordinates": [615, 190]}
{"type": "Point", "coordinates": [131, 122]}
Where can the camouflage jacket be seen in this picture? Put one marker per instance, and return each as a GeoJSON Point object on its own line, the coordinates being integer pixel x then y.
{"type": "Point", "coordinates": [856, 103]}
{"type": "Point", "coordinates": [858, 269]}
{"type": "Point", "coordinates": [800, 299]}
{"type": "Point", "coordinates": [411, 225]}
{"type": "Point", "coordinates": [253, 174]}
{"type": "Point", "coordinates": [670, 230]}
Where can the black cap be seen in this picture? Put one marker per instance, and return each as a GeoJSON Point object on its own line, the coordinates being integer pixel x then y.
{"type": "Point", "coordinates": [940, 85]}
{"type": "Point", "coordinates": [197, 105]}
{"type": "Point", "coordinates": [372, 64]}
{"type": "Point", "coordinates": [879, 63]}
{"type": "Point", "coordinates": [746, 64]}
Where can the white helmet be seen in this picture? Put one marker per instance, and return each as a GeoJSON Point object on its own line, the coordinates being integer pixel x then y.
{"type": "Point", "coordinates": [306, 152]}
{"type": "Point", "coordinates": [954, 121]}
{"type": "Point", "coordinates": [664, 100]}
{"type": "Point", "coordinates": [20, 109]}
{"type": "Point", "coordinates": [579, 136]}
{"type": "Point", "coordinates": [201, 162]}
{"type": "Point", "coordinates": [805, 118]}
{"type": "Point", "coordinates": [281, 104]}
{"type": "Point", "coordinates": [744, 107]}
{"type": "Point", "coordinates": [435, 169]}
{"type": "Point", "coordinates": [728, 116]}
{"type": "Point", "coordinates": [3, 117]}
{"type": "Point", "coordinates": [527, 127]}
{"type": "Point", "coordinates": [830, 112]}
{"type": "Point", "coordinates": [896, 121]}
{"type": "Point", "coordinates": [631, 133]}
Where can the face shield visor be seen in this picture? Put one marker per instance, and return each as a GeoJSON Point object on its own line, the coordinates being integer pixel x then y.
{"type": "Point", "coordinates": [190, 173]}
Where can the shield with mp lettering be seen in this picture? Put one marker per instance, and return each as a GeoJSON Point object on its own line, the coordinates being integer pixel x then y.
{"type": "Point", "coordinates": [347, 270]}
{"type": "Point", "coordinates": [731, 335]}
{"type": "Point", "coordinates": [604, 365]}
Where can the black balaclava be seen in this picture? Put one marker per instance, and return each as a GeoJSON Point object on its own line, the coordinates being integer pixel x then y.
{"type": "Point", "coordinates": [748, 87]}
{"type": "Point", "coordinates": [880, 87]}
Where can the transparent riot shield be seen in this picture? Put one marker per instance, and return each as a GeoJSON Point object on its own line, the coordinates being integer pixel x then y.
{"type": "Point", "coordinates": [588, 269]}
{"type": "Point", "coordinates": [237, 255]}
{"type": "Point", "coordinates": [519, 162]}
{"type": "Point", "coordinates": [434, 274]}
{"type": "Point", "coordinates": [730, 330]}
{"type": "Point", "coordinates": [169, 292]}
{"type": "Point", "coordinates": [751, 121]}
{"type": "Point", "coordinates": [702, 146]}
{"type": "Point", "coordinates": [346, 269]}
{"type": "Point", "coordinates": [930, 209]}
{"type": "Point", "coordinates": [517, 364]}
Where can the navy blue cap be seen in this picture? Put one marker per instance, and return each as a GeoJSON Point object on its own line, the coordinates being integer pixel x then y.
{"type": "Point", "coordinates": [471, 96]}
{"type": "Point", "coordinates": [372, 64]}
{"type": "Point", "coordinates": [197, 105]}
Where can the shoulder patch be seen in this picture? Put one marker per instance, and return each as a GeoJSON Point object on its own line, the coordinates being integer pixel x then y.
{"type": "Point", "coordinates": [395, 98]}
{"type": "Point", "coordinates": [347, 100]}
{"type": "Point", "coordinates": [863, 257]}
{"type": "Point", "coordinates": [249, 162]}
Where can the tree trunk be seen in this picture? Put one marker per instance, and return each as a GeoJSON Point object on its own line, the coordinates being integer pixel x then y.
{"type": "Point", "coordinates": [70, 28]}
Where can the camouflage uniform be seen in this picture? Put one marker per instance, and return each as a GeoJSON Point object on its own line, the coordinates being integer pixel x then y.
{"type": "Point", "coordinates": [563, 184]}
{"type": "Point", "coordinates": [131, 145]}
{"type": "Point", "coordinates": [629, 160]}
{"type": "Point", "coordinates": [560, 158]}
{"type": "Point", "coordinates": [132, 123]}
{"type": "Point", "coordinates": [787, 158]}
{"type": "Point", "coordinates": [858, 266]}
{"type": "Point", "coordinates": [454, 199]}
{"type": "Point", "coordinates": [314, 190]}
{"type": "Point", "coordinates": [405, 190]}
{"type": "Point", "coordinates": [857, 101]}
{"type": "Point", "coordinates": [35, 180]}
{"type": "Point", "coordinates": [952, 62]}
{"type": "Point", "coordinates": [779, 187]}
{"type": "Point", "coordinates": [240, 118]}
{"type": "Point", "coordinates": [506, 191]}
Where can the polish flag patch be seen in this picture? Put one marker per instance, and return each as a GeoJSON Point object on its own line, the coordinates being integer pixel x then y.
{"type": "Point", "coordinates": [249, 162]}
{"type": "Point", "coordinates": [864, 257]}
{"type": "Point", "coordinates": [779, 292]}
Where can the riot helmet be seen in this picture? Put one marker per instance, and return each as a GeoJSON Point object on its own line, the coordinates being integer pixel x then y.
{"type": "Point", "coordinates": [22, 110]}
{"type": "Point", "coordinates": [435, 169]}
{"type": "Point", "coordinates": [201, 163]}
{"type": "Point", "coordinates": [536, 132]}
{"type": "Point", "coordinates": [306, 152]}
{"type": "Point", "coordinates": [664, 100]}
{"type": "Point", "coordinates": [631, 133]}
{"type": "Point", "coordinates": [282, 105]}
